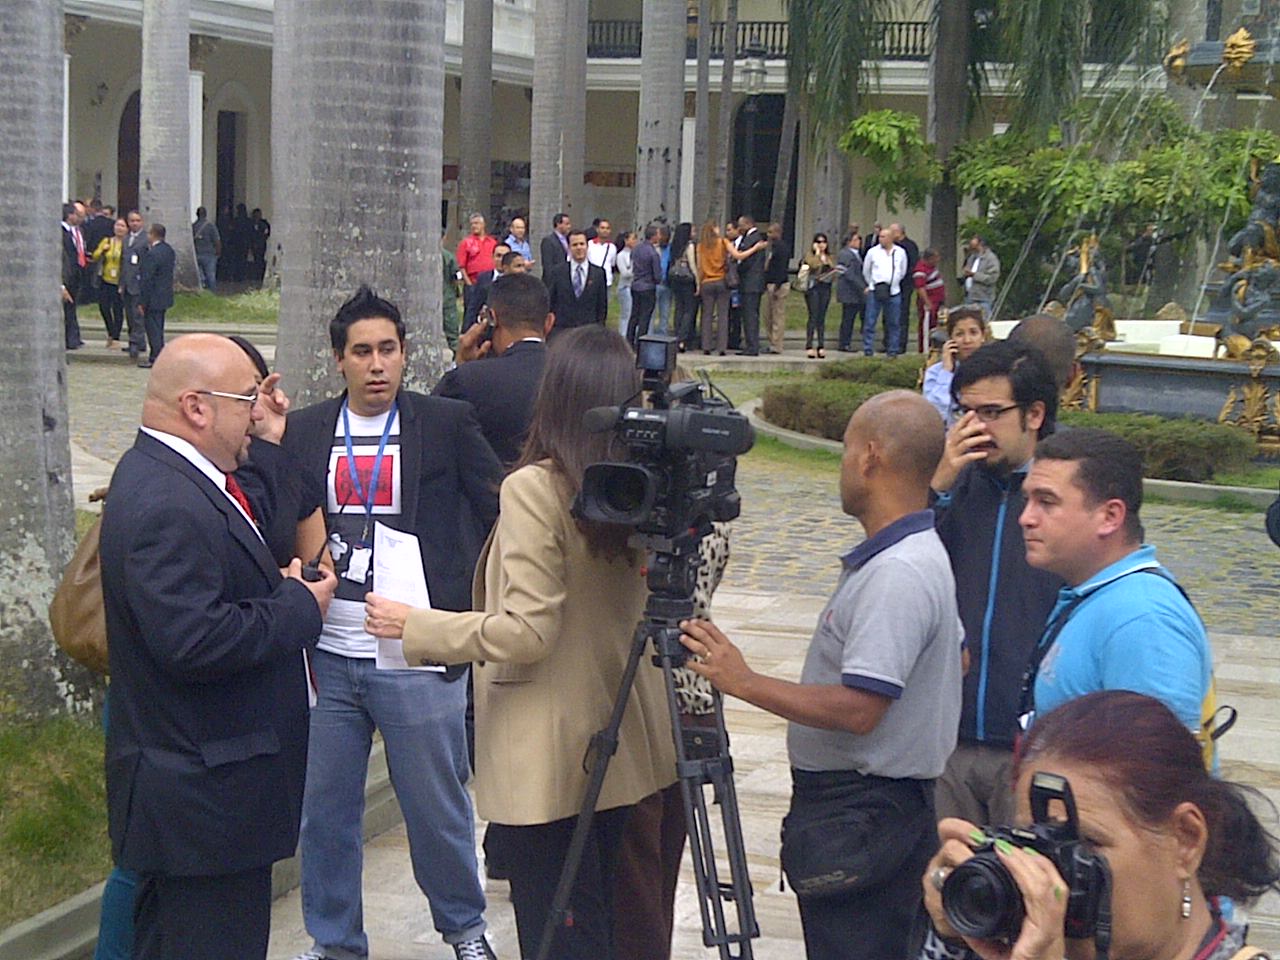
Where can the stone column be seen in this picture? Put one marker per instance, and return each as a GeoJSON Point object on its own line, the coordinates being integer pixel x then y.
{"type": "Point", "coordinates": [72, 27]}
{"type": "Point", "coordinates": [199, 49]}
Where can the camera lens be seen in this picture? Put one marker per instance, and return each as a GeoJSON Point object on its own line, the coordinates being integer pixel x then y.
{"type": "Point", "coordinates": [617, 493]}
{"type": "Point", "coordinates": [982, 900]}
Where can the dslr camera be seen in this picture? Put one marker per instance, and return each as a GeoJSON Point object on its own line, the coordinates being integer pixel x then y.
{"type": "Point", "coordinates": [982, 900]}
{"type": "Point", "coordinates": [682, 456]}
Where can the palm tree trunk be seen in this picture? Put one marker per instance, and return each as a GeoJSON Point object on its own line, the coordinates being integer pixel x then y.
{"type": "Point", "coordinates": [702, 118]}
{"type": "Point", "coordinates": [165, 129]}
{"type": "Point", "coordinates": [36, 512]}
{"type": "Point", "coordinates": [786, 154]}
{"type": "Point", "coordinates": [364, 207]}
{"type": "Point", "coordinates": [722, 188]}
{"type": "Point", "coordinates": [476, 152]}
{"type": "Point", "coordinates": [574, 139]}
{"type": "Point", "coordinates": [947, 116]}
{"type": "Point", "coordinates": [829, 198]}
{"type": "Point", "coordinates": [658, 139]}
{"type": "Point", "coordinates": [285, 111]}
{"type": "Point", "coordinates": [546, 186]}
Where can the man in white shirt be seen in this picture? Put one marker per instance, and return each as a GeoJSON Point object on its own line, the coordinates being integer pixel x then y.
{"type": "Point", "coordinates": [884, 268]}
{"type": "Point", "coordinates": [602, 252]}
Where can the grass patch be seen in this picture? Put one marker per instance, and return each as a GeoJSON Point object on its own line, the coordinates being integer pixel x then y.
{"type": "Point", "coordinates": [250, 307]}
{"type": "Point", "coordinates": [773, 451]}
{"type": "Point", "coordinates": [53, 814]}
{"type": "Point", "coordinates": [741, 387]}
{"type": "Point", "coordinates": [84, 520]}
{"type": "Point", "coordinates": [1265, 476]}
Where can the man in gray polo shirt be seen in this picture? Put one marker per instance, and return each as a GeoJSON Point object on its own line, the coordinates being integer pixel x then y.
{"type": "Point", "coordinates": [874, 716]}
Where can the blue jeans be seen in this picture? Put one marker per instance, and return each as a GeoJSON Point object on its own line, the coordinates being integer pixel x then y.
{"type": "Point", "coordinates": [421, 719]}
{"type": "Point", "coordinates": [624, 304]}
{"type": "Point", "coordinates": [208, 271]}
{"type": "Point", "coordinates": [115, 923]}
{"type": "Point", "coordinates": [662, 312]}
{"type": "Point", "coordinates": [892, 310]}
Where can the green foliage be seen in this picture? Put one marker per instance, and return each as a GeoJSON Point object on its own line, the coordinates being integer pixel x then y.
{"type": "Point", "coordinates": [821, 408]}
{"type": "Point", "coordinates": [53, 830]}
{"type": "Point", "coordinates": [1133, 163]}
{"type": "Point", "coordinates": [890, 374]}
{"type": "Point", "coordinates": [906, 170]}
{"type": "Point", "coordinates": [830, 43]}
{"type": "Point", "coordinates": [1182, 449]}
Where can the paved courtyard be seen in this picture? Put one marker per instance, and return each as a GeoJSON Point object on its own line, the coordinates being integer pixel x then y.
{"type": "Point", "coordinates": [784, 561]}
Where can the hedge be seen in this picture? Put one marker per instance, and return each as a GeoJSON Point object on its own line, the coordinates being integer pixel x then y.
{"type": "Point", "coordinates": [904, 373]}
{"type": "Point", "coordinates": [1182, 449]}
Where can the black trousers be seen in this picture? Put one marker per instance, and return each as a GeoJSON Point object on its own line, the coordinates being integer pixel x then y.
{"type": "Point", "coordinates": [532, 858]}
{"type": "Point", "coordinates": [71, 324]}
{"type": "Point", "coordinates": [642, 304]}
{"type": "Point", "coordinates": [203, 918]}
{"type": "Point", "coordinates": [685, 325]}
{"type": "Point", "coordinates": [749, 310]}
{"type": "Point", "coordinates": [817, 298]}
{"type": "Point", "coordinates": [154, 323]}
{"type": "Point", "coordinates": [876, 923]}
{"type": "Point", "coordinates": [735, 321]}
{"type": "Point", "coordinates": [112, 309]}
{"type": "Point", "coordinates": [849, 314]}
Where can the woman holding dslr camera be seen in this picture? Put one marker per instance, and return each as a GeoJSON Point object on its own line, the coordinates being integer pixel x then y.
{"type": "Point", "coordinates": [1174, 838]}
{"type": "Point", "coordinates": [558, 600]}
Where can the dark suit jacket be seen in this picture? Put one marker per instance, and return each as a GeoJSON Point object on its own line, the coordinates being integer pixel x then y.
{"type": "Point", "coordinates": [751, 270]}
{"type": "Point", "coordinates": [571, 311]}
{"type": "Point", "coordinates": [155, 277]}
{"type": "Point", "coordinates": [475, 296]}
{"type": "Point", "coordinates": [501, 389]}
{"type": "Point", "coordinates": [450, 480]}
{"type": "Point", "coordinates": [207, 744]}
{"type": "Point", "coordinates": [551, 252]}
{"type": "Point", "coordinates": [130, 272]}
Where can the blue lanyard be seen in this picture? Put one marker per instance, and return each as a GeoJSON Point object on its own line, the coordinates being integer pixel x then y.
{"type": "Point", "coordinates": [366, 496]}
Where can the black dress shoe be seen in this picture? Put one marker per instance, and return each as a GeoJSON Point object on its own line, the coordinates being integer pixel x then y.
{"type": "Point", "coordinates": [144, 364]}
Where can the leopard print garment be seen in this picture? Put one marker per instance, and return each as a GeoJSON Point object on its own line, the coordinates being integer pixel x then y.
{"type": "Point", "coordinates": [694, 693]}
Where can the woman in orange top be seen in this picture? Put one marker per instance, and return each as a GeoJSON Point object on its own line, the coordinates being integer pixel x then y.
{"type": "Point", "coordinates": [109, 251]}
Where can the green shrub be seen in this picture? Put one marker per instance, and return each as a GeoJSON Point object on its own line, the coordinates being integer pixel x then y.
{"type": "Point", "coordinates": [902, 373]}
{"type": "Point", "coordinates": [1182, 449]}
{"type": "Point", "coordinates": [821, 408]}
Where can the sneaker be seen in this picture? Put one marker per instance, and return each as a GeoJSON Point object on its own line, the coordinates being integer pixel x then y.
{"type": "Point", "coordinates": [476, 949]}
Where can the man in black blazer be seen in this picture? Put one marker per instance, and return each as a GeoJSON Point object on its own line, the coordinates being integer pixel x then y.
{"type": "Point", "coordinates": [553, 249]}
{"type": "Point", "coordinates": [579, 292]}
{"type": "Point", "coordinates": [75, 257]}
{"type": "Point", "coordinates": [135, 247]}
{"type": "Point", "coordinates": [500, 377]}
{"type": "Point", "coordinates": [155, 289]}
{"type": "Point", "coordinates": [378, 455]}
{"type": "Point", "coordinates": [207, 744]}
{"type": "Point", "coordinates": [750, 283]}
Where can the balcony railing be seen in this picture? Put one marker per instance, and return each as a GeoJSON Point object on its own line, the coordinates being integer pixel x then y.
{"type": "Point", "coordinates": [612, 39]}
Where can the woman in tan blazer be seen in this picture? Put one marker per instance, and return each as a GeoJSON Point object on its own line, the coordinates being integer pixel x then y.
{"type": "Point", "coordinates": [557, 601]}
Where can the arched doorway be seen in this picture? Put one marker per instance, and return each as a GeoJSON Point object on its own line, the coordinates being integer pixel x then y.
{"type": "Point", "coordinates": [127, 155]}
{"type": "Point", "coordinates": [757, 136]}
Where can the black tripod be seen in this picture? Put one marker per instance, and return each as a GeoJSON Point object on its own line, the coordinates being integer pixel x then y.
{"type": "Point", "coordinates": [702, 760]}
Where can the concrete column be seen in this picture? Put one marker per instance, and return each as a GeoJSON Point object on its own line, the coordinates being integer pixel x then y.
{"type": "Point", "coordinates": [195, 88]}
{"type": "Point", "coordinates": [688, 158]}
{"type": "Point", "coordinates": [66, 127]}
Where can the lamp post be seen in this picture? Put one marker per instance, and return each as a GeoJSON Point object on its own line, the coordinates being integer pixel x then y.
{"type": "Point", "coordinates": [754, 75]}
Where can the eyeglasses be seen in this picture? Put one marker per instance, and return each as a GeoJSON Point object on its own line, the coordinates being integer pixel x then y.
{"type": "Point", "coordinates": [249, 398]}
{"type": "Point", "coordinates": [988, 413]}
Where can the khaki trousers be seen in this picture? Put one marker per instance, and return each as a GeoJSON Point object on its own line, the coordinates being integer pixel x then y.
{"type": "Point", "coordinates": [774, 314]}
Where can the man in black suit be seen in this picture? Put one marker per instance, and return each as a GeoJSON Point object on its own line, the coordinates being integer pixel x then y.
{"type": "Point", "coordinates": [135, 247]}
{"type": "Point", "coordinates": [476, 294]}
{"type": "Point", "coordinates": [381, 457]}
{"type": "Point", "coordinates": [499, 377]}
{"type": "Point", "coordinates": [554, 247]}
{"type": "Point", "coordinates": [579, 292]}
{"type": "Point", "coordinates": [206, 749]}
{"type": "Point", "coordinates": [750, 283]}
{"type": "Point", "coordinates": [155, 289]}
{"type": "Point", "coordinates": [75, 257]}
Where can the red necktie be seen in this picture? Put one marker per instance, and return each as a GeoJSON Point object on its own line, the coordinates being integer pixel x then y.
{"type": "Point", "coordinates": [79, 237]}
{"type": "Point", "coordinates": [238, 496]}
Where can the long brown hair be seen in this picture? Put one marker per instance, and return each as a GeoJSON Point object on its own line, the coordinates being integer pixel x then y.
{"type": "Point", "coordinates": [588, 367]}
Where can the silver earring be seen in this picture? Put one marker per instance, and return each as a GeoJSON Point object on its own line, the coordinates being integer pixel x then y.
{"type": "Point", "coordinates": [1186, 899]}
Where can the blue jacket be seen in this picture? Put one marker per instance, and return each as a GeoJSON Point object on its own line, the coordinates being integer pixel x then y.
{"type": "Point", "coordinates": [1003, 601]}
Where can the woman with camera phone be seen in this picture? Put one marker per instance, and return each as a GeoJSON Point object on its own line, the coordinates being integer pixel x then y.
{"type": "Point", "coordinates": [557, 602]}
{"type": "Point", "coordinates": [1125, 846]}
{"type": "Point", "coordinates": [967, 330]}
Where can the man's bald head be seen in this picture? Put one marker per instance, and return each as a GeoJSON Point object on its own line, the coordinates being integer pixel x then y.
{"type": "Point", "coordinates": [908, 432]}
{"type": "Point", "coordinates": [178, 399]}
{"type": "Point", "coordinates": [1054, 339]}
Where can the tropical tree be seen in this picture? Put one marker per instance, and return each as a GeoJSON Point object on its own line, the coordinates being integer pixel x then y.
{"type": "Point", "coordinates": [720, 187]}
{"type": "Point", "coordinates": [546, 184]}
{"type": "Point", "coordinates": [165, 129]}
{"type": "Point", "coordinates": [36, 512]}
{"type": "Point", "coordinates": [661, 119]}
{"type": "Point", "coordinates": [573, 140]}
{"type": "Point", "coordinates": [948, 119]}
{"type": "Point", "coordinates": [476, 136]}
{"type": "Point", "coordinates": [364, 182]}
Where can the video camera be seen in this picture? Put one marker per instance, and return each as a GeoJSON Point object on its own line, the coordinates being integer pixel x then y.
{"type": "Point", "coordinates": [982, 900]}
{"type": "Point", "coordinates": [679, 476]}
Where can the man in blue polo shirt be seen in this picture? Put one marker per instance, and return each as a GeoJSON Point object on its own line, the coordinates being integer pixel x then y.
{"type": "Point", "coordinates": [1121, 622]}
{"type": "Point", "coordinates": [873, 718]}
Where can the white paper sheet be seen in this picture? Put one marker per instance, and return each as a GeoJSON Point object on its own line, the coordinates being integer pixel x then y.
{"type": "Point", "coordinates": [398, 575]}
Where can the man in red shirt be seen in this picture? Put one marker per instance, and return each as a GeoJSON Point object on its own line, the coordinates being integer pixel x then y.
{"type": "Point", "coordinates": [475, 252]}
{"type": "Point", "coordinates": [931, 294]}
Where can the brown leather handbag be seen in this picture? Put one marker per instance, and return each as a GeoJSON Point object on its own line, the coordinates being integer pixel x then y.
{"type": "Point", "coordinates": [76, 614]}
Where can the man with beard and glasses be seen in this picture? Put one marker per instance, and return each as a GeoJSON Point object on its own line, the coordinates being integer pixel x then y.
{"type": "Point", "coordinates": [1005, 400]}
